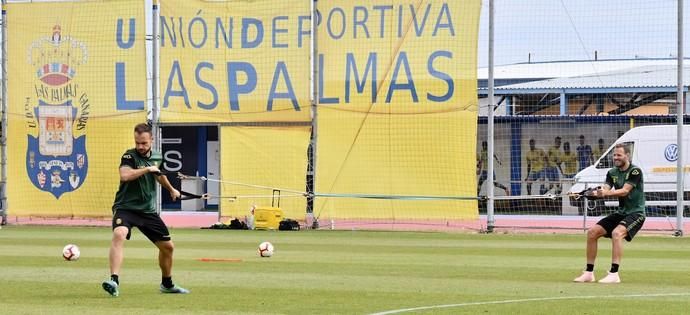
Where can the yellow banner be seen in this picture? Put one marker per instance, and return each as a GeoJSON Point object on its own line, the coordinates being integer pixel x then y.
{"type": "Point", "coordinates": [261, 158]}
{"type": "Point", "coordinates": [76, 85]}
{"type": "Point", "coordinates": [397, 107]}
{"type": "Point", "coordinates": [235, 61]}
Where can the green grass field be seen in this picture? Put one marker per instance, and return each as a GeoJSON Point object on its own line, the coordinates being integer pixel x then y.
{"type": "Point", "coordinates": [340, 272]}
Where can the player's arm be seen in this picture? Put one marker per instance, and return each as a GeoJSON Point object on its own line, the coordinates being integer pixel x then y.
{"type": "Point", "coordinates": [627, 188]}
{"type": "Point", "coordinates": [163, 180]}
{"type": "Point", "coordinates": [497, 160]}
{"type": "Point", "coordinates": [605, 189]}
{"type": "Point", "coordinates": [633, 181]}
{"type": "Point", "coordinates": [129, 171]}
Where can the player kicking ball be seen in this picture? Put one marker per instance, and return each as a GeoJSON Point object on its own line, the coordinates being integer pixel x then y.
{"type": "Point", "coordinates": [134, 206]}
{"type": "Point", "coordinates": [625, 182]}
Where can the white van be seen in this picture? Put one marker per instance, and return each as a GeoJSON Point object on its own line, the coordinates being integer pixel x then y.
{"type": "Point", "coordinates": [655, 151]}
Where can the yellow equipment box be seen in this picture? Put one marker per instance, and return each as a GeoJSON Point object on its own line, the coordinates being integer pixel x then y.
{"type": "Point", "coordinates": [267, 218]}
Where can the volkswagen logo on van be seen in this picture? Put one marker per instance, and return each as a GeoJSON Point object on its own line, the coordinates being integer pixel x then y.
{"type": "Point", "coordinates": [671, 152]}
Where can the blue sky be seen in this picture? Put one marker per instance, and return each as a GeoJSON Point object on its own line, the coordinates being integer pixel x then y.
{"type": "Point", "coordinates": [573, 29]}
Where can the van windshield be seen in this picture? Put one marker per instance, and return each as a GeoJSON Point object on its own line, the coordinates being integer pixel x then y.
{"type": "Point", "coordinates": [607, 160]}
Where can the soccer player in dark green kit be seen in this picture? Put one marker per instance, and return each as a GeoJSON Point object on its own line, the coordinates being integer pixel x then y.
{"type": "Point", "coordinates": [628, 186]}
{"type": "Point", "coordinates": [134, 206]}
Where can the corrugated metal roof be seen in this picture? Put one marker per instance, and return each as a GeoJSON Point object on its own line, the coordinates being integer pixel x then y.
{"type": "Point", "coordinates": [647, 76]}
{"type": "Point", "coordinates": [575, 68]}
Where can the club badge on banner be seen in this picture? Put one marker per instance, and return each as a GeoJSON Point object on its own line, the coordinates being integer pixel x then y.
{"type": "Point", "coordinates": [56, 158]}
{"type": "Point", "coordinates": [72, 106]}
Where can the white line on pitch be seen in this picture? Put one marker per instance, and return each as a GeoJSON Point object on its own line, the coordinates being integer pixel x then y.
{"type": "Point", "coordinates": [422, 308]}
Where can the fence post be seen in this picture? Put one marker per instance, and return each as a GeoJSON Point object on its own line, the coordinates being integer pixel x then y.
{"type": "Point", "coordinates": [155, 53]}
{"type": "Point", "coordinates": [3, 127]}
{"type": "Point", "coordinates": [680, 169]}
{"type": "Point", "coordinates": [490, 220]}
{"type": "Point", "coordinates": [311, 151]}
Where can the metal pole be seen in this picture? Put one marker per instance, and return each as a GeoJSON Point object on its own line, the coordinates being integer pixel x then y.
{"type": "Point", "coordinates": [3, 136]}
{"type": "Point", "coordinates": [490, 220]}
{"type": "Point", "coordinates": [155, 38]}
{"type": "Point", "coordinates": [680, 172]}
{"type": "Point", "coordinates": [311, 168]}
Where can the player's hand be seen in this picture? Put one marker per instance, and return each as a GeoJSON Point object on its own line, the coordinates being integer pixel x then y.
{"type": "Point", "coordinates": [153, 169]}
{"type": "Point", "coordinates": [600, 193]}
{"type": "Point", "coordinates": [174, 194]}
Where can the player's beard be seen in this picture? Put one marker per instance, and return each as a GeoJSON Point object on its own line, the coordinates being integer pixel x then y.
{"type": "Point", "coordinates": [144, 153]}
{"type": "Point", "coordinates": [619, 162]}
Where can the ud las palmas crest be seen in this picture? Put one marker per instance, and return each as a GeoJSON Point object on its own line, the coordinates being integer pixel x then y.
{"type": "Point", "coordinates": [56, 160]}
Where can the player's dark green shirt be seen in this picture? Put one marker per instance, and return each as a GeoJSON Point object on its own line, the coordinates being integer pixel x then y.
{"type": "Point", "coordinates": [138, 194]}
{"type": "Point", "coordinates": [634, 201]}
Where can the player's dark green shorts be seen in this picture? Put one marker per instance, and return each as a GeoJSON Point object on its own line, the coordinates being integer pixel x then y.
{"type": "Point", "coordinates": [633, 222]}
{"type": "Point", "coordinates": [150, 224]}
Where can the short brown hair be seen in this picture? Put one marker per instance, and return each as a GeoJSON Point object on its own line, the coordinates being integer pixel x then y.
{"type": "Point", "coordinates": [625, 147]}
{"type": "Point", "coordinates": [142, 128]}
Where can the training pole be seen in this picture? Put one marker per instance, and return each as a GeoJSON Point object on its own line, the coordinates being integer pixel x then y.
{"type": "Point", "coordinates": [490, 220]}
{"type": "Point", "coordinates": [680, 111]}
{"type": "Point", "coordinates": [3, 136]}
{"type": "Point", "coordinates": [155, 93]}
